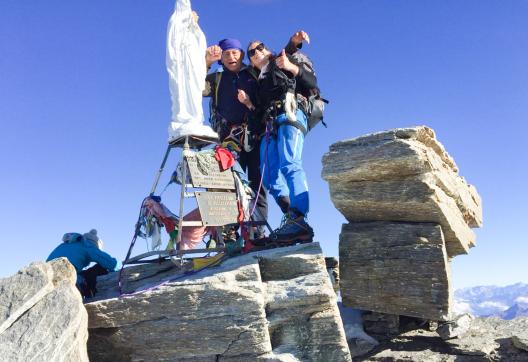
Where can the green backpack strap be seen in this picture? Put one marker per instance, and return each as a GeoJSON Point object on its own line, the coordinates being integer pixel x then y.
{"type": "Point", "coordinates": [218, 77]}
{"type": "Point", "coordinates": [214, 100]}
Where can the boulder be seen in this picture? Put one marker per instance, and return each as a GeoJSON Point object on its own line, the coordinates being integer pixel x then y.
{"type": "Point", "coordinates": [274, 305]}
{"type": "Point", "coordinates": [405, 200]}
{"type": "Point", "coordinates": [395, 268]}
{"type": "Point", "coordinates": [456, 327]}
{"type": "Point", "coordinates": [403, 175]}
{"type": "Point", "coordinates": [42, 317]}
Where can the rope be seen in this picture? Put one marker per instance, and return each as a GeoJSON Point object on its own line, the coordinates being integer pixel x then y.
{"type": "Point", "coordinates": [119, 284]}
{"type": "Point", "coordinates": [132, 243]}
{"type": "Point", "coordinates": [262, 172]}
{"type": "Point", "coordinates": [187, 274]}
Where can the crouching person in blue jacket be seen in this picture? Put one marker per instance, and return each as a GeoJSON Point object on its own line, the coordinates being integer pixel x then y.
{"type": "Point", "coordinates": [81, 251]}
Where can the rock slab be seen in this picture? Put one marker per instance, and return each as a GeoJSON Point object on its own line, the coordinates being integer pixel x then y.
{"type": "Point", "coordinates": [42, 317]}
{"type": "Point", "coordinates": [275, 305]}
{"type": "Point", "coordinates": [403, 175]}
{"type": "Point", "coordinates": [395, 268]}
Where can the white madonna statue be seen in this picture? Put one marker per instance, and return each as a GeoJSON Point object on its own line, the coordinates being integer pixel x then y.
{"type": "Point", "coordinates": [185, 62]}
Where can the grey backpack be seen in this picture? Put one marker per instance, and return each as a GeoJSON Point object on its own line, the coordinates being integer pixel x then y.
{"type": "Point", "coordinates": [310, 100]}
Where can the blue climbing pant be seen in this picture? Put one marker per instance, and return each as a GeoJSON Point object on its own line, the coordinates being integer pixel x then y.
{"type": "Point", "coordinates": [281, 164]}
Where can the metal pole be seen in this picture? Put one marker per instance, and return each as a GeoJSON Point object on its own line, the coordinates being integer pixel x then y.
{"type": "Point", "coordinates": [158, 175]}
{"type": "Point", "coordinates": [182, 193]}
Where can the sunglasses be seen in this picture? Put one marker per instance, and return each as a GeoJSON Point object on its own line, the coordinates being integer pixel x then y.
{"type": "Point", "coordinates": [259, 47]}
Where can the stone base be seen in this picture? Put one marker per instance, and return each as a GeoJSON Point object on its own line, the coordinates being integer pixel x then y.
{"type": "Point", "coordinates": [395, 268]}
{"type": "Point", "coordinates": [271, 305]}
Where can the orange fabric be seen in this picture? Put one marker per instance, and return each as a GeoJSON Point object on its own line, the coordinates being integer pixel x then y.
{"type": "Point", "coordinates": [240, 218]}
{"type": "Point", "coordinates": [225, 158]}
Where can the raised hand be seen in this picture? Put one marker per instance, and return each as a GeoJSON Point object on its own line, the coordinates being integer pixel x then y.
{"type": "Point", "coordinates": [284, 63]}
{"type": "Point", "coordinates": [213, 54]}
{"type": "Point", "coordinates": [299, 37]}
{"type": "Point", "coordinates": [244, 99]}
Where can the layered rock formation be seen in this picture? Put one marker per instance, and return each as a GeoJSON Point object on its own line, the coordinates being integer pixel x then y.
{"type": "Point", "coordinates": [395, 268]}
{"type": "Point", "coordinates": [403, 175]}
{"type": "Point", "coordinates": [275, 305]}
{"type": "Point", "coordinates": [42, 317]}
{"type": "Point", "coordinates": [409, 212]}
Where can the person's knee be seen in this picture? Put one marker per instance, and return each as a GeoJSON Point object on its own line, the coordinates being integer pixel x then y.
{"type": "Point", "coordinates": [291, 168]}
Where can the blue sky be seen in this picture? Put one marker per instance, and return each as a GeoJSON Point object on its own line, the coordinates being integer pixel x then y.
{"type": "Point", "coordinates": [84, 108]}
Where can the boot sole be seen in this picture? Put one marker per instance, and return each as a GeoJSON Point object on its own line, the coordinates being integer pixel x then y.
{"type": "Point", "coordinates": [280, 244]}
{"type": "Point", "coordinates": [306, 237]}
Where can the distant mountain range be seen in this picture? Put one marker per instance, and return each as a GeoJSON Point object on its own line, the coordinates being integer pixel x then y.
{"type": "Point", "coordinates": [506, 302]}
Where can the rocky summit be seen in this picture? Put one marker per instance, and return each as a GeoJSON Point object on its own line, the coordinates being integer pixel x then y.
{"type": "Point", "coordinates": [274, 305]}
{"type": "Point", "coordinates": [408, 211]}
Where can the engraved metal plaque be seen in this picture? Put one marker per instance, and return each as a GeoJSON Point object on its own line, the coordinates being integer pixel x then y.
{"type": "Point", "coordinates": [205, 172]}
{"type": "Point", "coordinates": [217, 208]}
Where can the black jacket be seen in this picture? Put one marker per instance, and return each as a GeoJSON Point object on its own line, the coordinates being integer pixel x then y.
{"type": "Point", "coordinates": [274, 82]}
{"type": "Point", "coordinates": [224, 95]}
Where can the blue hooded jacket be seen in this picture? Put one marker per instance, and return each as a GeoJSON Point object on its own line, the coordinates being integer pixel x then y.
{"type": "Point", "coordinates": [81, 253]}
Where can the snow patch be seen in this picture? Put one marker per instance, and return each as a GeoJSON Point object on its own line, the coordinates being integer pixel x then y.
{"type": "Point", "coordinates": [461, 307]}
{"type": "Point", "coordinates": [522, 300]}
{"type": "Point", "coordinates": [493, 305]}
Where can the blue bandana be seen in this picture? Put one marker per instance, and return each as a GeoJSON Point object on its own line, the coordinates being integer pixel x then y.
{"type": "Point", "coordinates": [227, 44]}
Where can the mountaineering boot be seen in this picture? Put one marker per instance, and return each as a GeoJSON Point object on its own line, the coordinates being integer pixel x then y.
{"type": "Point", "coordinates": [293, 229]}
{"type": "Point", "coordinates": [267, 242]}
{"type": "Point", "coordinates": [259, 232]}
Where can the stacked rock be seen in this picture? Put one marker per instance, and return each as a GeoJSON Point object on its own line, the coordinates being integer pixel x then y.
{"type": "Point", "coordinates": [409, 212]}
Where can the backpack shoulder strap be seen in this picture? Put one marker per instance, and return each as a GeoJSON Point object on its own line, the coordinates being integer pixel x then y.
{"type": "Point", "coordinates": [303, 60]}
{"type": "Point", "coordinates": [277, 73]}
{"type": "Point", "coordinates": [252, 72]}
{"type": "Point", "coordinates": [297, 125]}
{"type": "Point", "coordinates": [218, 77]}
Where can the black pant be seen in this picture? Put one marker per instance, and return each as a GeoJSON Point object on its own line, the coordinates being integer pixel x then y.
{"type": "Point", "coordinates": [88, 288]}
{"type": "Point", "coordinates": [250, 163]}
